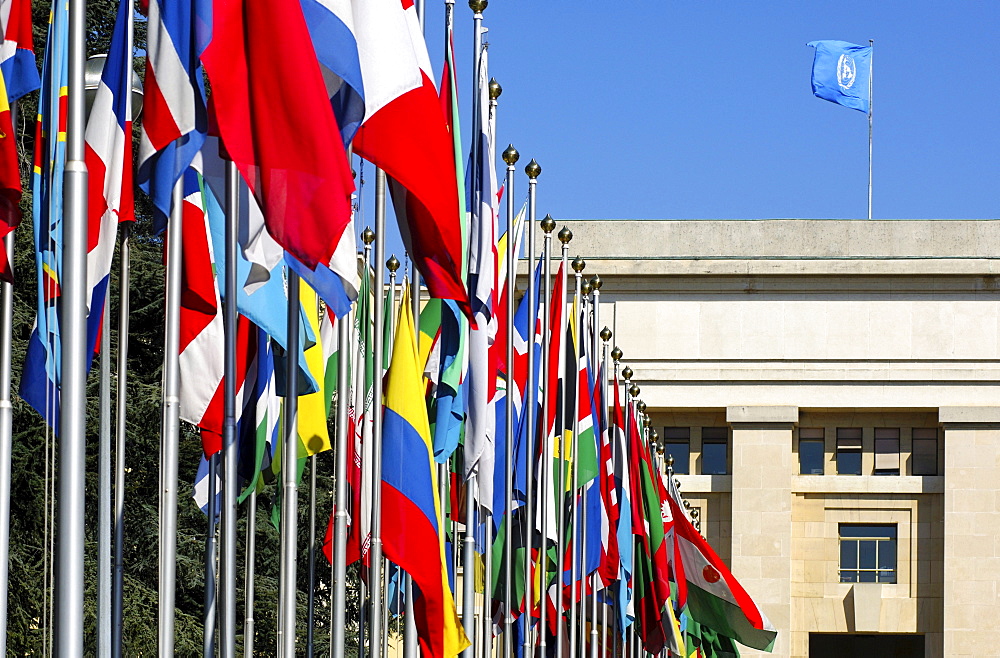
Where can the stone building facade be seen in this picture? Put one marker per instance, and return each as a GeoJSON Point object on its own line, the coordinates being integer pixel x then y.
{"type": "Point", "coordinates": [831, 391]}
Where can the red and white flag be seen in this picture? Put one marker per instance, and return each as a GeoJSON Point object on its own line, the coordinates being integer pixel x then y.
{"type": "Point", "coordinates": [405, 133]}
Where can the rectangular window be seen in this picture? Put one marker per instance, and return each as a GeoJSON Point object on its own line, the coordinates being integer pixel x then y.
{"type": "Point", "coordinates": [677, 444]}
{"type": "Point", "coordinates": [925, 449]}
{"type": "Point", "coordinates": [886, 451]}
{"type": "Point", "coordinates": [849, 451]}
{"type": "Point", "coordinates": [714, 450]}
{"type": "Point", "coordinates": [867, 553]}
{"type": "Point", "coordinates": [812, 451]}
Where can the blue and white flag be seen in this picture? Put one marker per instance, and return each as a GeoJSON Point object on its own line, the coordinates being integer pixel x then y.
{"type": "Point", "coordinates": [841, 73]}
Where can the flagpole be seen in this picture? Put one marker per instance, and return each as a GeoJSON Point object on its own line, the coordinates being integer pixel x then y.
{"type": "Point", "coordinates": [169, 441]}
{"type": "Point", "coordinates": [375, 552]}
{"type": "Point", "coordinates": [230, 464]}
{"type": "Point", "coordinates": [510, 157]}
{"type": "Point", "coordinates": [469, 543]}
{"type": "Point", "coordinates": [579, 547]}
{"type": "Point", "coordinates": [871, 70]}
{"type": "Point", "coordinates": [72, 460]}
{"type": "Point", "coordinates": [595, 287]}
{"type": "Point", "coordinates": [6, 433]}
{"type": "Point", "coordinates": [494, 93]}
{"type": "Point", "coordinates": [104, 495]}
{"type": "Point", "coordinates": [118, 575]}
{"type": "Point", "coordinates": [289, 484]}
{"type": "Point", "coordinates": [605, 336]}
{"type": "Point", "coordinates": [627, 376]}
{"type": "Point", "coordinates": [367, 237]}
{"type": "Point", "coordinates": [548, 225]}
{"type": "Point", "coordinates": [533, 170]}
{"type": "Point", "coordinates": [250, 562]}
{"type": "Point", "coordinates": [340, 518]}
{"type": "Point", "coordinates": [209, 611]}
{"type": "Point", "coordinates": [565, 235]}
{"type": "Point", "coordinates": [311, 601]}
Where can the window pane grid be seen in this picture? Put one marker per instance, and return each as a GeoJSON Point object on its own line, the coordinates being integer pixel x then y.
{"type": "Point", "coordinates": [867, 555]}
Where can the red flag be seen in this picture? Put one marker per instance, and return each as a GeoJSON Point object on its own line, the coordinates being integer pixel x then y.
{"type": "Point", "coordinates": [405, 133]}
{"type": "Point", "coordinates": [276, 122]}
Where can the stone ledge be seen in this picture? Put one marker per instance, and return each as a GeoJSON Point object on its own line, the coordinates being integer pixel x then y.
{"type": "Point", "coordinates": [762, 414]}
{"type": "Point", "coordinates": [691, 484]}
{"type": "Point", "coordinates": [972, 415]}
{"type": "Point", "coordinates": [868, 484]}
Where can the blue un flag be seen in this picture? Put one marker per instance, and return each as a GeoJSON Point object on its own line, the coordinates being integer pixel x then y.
{"type": "Point", "coordinates": [841, 72]}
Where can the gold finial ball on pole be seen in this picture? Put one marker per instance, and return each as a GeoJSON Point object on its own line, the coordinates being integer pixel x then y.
{"type": "Point", "coordinates": [578, 263]}
{"type": "Point", "coordinates": [368, 236]}
{"type": "Point", "coordinates": [533, 169]}
{"type": "Point", "coordinates": [646, 422]}
{"type": "Point", "coordinates": [641, 407]}
{"type": "Point", "coordinates": [605, 332]}
{"type": "Point", "coordinates": [585, 288]}
{"type": "Point", "coordinates": [634, 390]}
{"type": "Point", "coordinates": [616, 354]}
{"type": "Point", "coordinates": [687, 504]}
{"type": "Point", "coordinates": [627, 372]}
{"type": "Point", "coordinates": [478, 6]}
{"type": "Point", "coordinates": [495, 89]}
{"type": "Point", "coordinates": [565, 235]}
{"type": "Point", "coordinates": [656, 437]}
{"type": "Point", "coordinates": [510, 155]}
{"type": "Point", "coordinates": [670, 462]}
{"type": "Point", "coordinates": [392, 263]}
{"type": "Point", "coordinates": [595, 282]}
{"type": "Point", "coordinates": [548, 224]}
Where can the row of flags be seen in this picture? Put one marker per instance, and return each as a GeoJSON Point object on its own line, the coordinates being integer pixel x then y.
{"type": "Point", "coordinates": [593, 513]}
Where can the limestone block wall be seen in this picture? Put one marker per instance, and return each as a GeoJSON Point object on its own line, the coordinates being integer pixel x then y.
{"type": "Point", "coordinates": [972, 531]}
{"type": "Point", "coordinates": [762, 511]}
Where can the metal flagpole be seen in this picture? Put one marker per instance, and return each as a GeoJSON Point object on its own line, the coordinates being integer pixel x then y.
{"type": "Point", "coordinates": [6, 435]}
{"type": "Point", "coordinates": [171, 427]}
{"type": "Point", "coordinates": [577, 546]}
{"type": "Point", "coordinates": [616, 355]}
{"type": "Point", "coordinates": [469, 543]}
{"type": "Point", "coordinates": [510, 156]}
{"type": "Point", "coordinates": [595, 284]}
{"type": "Point", "coordinates": [251, 560]}
{"type": "Point", "coordinates": [72, 461]}
{"type": "Point", "coordinates": [124, 275]}
{"type": "Point", "coordinates": [118, 581]}
{"type": "Point", "coordinates": [339, 647]}
{"type": "Point", "coordinates": [230, 475]}
{"type": "Point", "coordinates": [367, 237]}
{"type": "Point", "coordinates": [494, 91]}
{"type": "Point", "coordinates": [533, 170]}
{"type": "Point", "coordinates": [289, 486]}
{"type": "Point", "coordinates": [871, 70]}
{"type": "Point", "coordinates": [311, 601]}
{"type": "Point", "coordinates": [104, 494]}
{"type": "Point", "coordinates": [209, 612]}
{"type": "Point", "coordinates": [411, 647]}
{"type": "Point", "coordinates": [559, 479]}
{"type": "Point", "coordinates": [469, 566]}
{"type": "Point", "coordinates": [375, 552]}
{"type": "Point", "coordinates": [544, 486]}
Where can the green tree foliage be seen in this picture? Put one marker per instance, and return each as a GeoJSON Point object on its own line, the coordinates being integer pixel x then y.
{"type": "Point", "coordinates": [35, 458]}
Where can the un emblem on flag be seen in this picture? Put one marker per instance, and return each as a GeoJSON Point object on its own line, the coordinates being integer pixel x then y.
{"type": "Point", "coordinates": [847, 71]}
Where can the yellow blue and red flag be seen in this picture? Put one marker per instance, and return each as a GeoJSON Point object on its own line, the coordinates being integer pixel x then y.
{"type": "Point", "coordinates": [411, 511]}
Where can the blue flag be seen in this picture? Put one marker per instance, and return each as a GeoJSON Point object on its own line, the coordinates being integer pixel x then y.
{"type": "Point", "coordinates": [841, 73]}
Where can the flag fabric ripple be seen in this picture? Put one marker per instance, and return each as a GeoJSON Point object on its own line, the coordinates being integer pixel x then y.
{"type": "Point", "coordinates": [289, 148]}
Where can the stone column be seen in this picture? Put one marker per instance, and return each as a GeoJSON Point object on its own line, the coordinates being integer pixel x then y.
{"type": "Point", "coordinates": [762, 512]}
{"type": "Point", "coordinates": [971, 530]}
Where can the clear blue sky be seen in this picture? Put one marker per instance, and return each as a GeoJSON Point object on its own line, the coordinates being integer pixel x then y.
{"type": "Point", "coordinates": [673, 110]}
